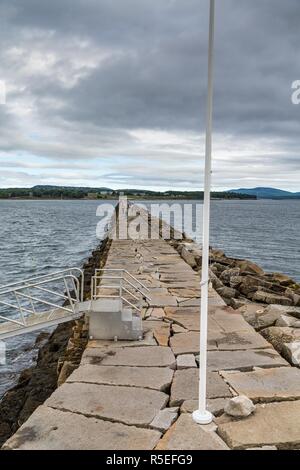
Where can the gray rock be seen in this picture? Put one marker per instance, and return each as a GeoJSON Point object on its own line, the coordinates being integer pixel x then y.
{"type": "Point", "coordinates": [278, 336]}
{"type": "Point", "coordinates": [188, 257]}
{"type": "Point", "coordinates": [185, 435]}
{"type": "Point", "coordinates": [50, 429]}
{"type": "Point", "coordinates": [270, 298]}
{"type": "Point", "coordinates": [285, 320]}
{"type": "Point", "coordinates": [235, 281]}
{"type": "Point", "coordinates": [239, 407]}
{"type": "Point", "coordinates": [272, 424]}
{"type": "Point", "coordinates": [164, 419]}
{"type": "Point", "coordinates": [265, 385]}
{"type": "Point", "coordinates": [127, 405]}
{"type": "Point", "coordinates": [186, 361]}
{"type": "Point", "coordinates": [244, 360]}
{"type": "Point", "coordinates": [148, 356]}
{"type": "Point", "coordinates": [226, 275]}
{"type": "Point", "coordinates": [185, 386]}
{"type": "Point", "coordinates": [295, 298]}
{"type": "Point", "coordinates": [215, 406]}
{"type": "Point", "coordinates": [156, 378]}
{"type": "Point", "coordinates": [249, 267]}
{"type": "Point", "coordinates": [292, 352]}
{"type": "Point", "coordinates": [227, 292]}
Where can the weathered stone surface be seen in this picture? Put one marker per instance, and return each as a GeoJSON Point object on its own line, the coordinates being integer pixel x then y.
{"type": "Point", "coordinates": [178, 329]}
{"type": "Point", "coordinates": [292, 352]}
{"type": "Point", "coordinates": [164, 419]}
{"type": "Point", "coordinates": [231, 321]}
{"type": "Point", "coordinates": [249, 267]}
{"type": "Point", "coordinates": [156, 356]}
{"type": "Point", "coordinates": [227, 292]}
{"type": "Point", "coordinates": [188, 343]}
{"type": "Point", "coordinates": [284, 309]}
{"type": "Point", "coordinates": [128, 405]}
{"type": "Point", "coordinates": [227, 274]}
{"type": "Point", "coordinates": [251, 311]}
{"type": "Point", "coordinates": [285, 320]}
{"type": "Point", "coordinates": [249, 285]}
{"type": "Point", "coordinates": [271, 424]}
{"type": "Point", "coordinates": [277, 336]}
{"type": "Point", "coordinates": [49, 429]}
{"type": "Point", "coordinates": [185, 434]}
{"type": "Point", "coordinates": [190, 302]}
{"type": "Point", "coordinates": [215, 406]}
{"type": "Point", "coordinates": [283, 279]}
{"type": "Point", "coordinates": [235, 281]}
{"type": "Point", "coordinates": [185, 386]}
{"type": "Point", "coordinates": [242, 340]}
{"type": "Point", "coordinates": [291, 294]}
{"type": "Point", "coordinates": [188, 257]}
{"type": "Point", "coordinates": [244, 360]}
{"type": "Point", "coordinates": [162, 300]}
{"type": "Point", "coordinates": [239, 407]}
{"type": "Point", "coordinates": [190, 322]}
{"type": "Point", "coordinates": [269, 318]}
{"type": "Point", "coordinates": [186, 361]}
{"type": "Point", "coordinates": [160, 329]}
{"type": "Point", "coordinates": [157, 313]}
{"type": "Point", "coordinates": [156, 378]}
{"type": "Point", "coordinates": [269, 298]}
{"type": "Point", "coordinates": [266, 384]}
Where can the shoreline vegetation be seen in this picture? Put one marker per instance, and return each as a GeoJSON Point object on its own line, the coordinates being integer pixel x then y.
{"type": "Point", "coordinates": [86, 193]}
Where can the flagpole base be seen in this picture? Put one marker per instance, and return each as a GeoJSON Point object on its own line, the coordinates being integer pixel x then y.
{"type": "Point", "coordinates": [202, 418]}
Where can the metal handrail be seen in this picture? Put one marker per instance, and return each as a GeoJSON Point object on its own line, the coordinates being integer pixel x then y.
{"type": "Point", "coordinates": [120, 286]}
{"type": "Point", "coordinates": [124, 271]}
{"type": "Point", "coordinates": [50, 276]}
{"type": "Point", "coordinates": [18, 289]}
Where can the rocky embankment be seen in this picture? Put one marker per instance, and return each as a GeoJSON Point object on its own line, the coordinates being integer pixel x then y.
{"type": "Point", "coordinates": [270, 302]}
{"type": "Point", "coordinates": [58, 357]}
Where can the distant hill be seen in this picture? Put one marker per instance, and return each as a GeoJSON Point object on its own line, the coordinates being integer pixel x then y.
{"type": "Point", "coordinates": [266, 193]}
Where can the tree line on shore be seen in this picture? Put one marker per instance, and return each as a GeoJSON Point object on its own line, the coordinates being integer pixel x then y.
{"type": "Point", "coordinates": [65, 192]}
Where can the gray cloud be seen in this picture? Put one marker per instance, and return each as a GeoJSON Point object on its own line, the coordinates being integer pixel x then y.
{"type": "Point", "coordinates": [120, 87]}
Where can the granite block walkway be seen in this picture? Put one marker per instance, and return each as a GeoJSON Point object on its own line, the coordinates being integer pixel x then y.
{"type": "Point", "coordinates": [140, 395]}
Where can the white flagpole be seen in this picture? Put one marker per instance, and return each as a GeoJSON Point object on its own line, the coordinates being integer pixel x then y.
{"type": "Point", "coordinates": [202, 415]}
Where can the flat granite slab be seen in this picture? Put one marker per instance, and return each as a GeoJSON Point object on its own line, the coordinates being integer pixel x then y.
{"type": "Point", "coordinates": [275, 424]}
{"type": "Point", "coordinates": [155, 378]}
{"type": "Point", "coordinates": [188, 343]}
{"type": "Point", "coordinates": [276, 384]}
{"type": "Point", "coordinates": [215, 406]}
{"type": "Point", "coordinates": [241, 340]}
{"type": "Point", "coordinates": [185, 434]}
{"type": "Point", "coordinates": [230, 321]}
{"type": "Point", "coordinates": [49, 429]}
{"type": "Point", "coordinates": [244, 360]}
{"type": "Point", "coordinates": [162, 300]}
{"type": "Point", "coordinates": [127, 405]}
{"type": "Point", "coordinates": [155, 356]}
{"type": "Point", "coordinates": [185, 386]}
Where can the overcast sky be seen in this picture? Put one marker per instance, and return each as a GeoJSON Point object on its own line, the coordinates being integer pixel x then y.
{"type": "Point", "coordinates": [112, 93]}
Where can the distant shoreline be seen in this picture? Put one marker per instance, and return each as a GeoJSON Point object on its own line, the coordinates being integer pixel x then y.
{"type": "Point", "coordinates": [167, 198]}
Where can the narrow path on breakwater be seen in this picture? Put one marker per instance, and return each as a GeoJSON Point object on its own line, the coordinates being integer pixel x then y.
{"type": "Point", "coordinates": [140, 395]}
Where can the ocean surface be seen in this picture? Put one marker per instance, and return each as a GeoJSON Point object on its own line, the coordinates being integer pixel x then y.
{"type": "Point", "coordinates": [37, 237]}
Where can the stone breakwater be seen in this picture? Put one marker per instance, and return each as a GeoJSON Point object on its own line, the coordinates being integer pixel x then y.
{"type": "Point", "coordinates": [270, 302]}
{"type": "Point", "coordinates": [140, 394]}
{"type": "Point", "coordinates": [59, 355]}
